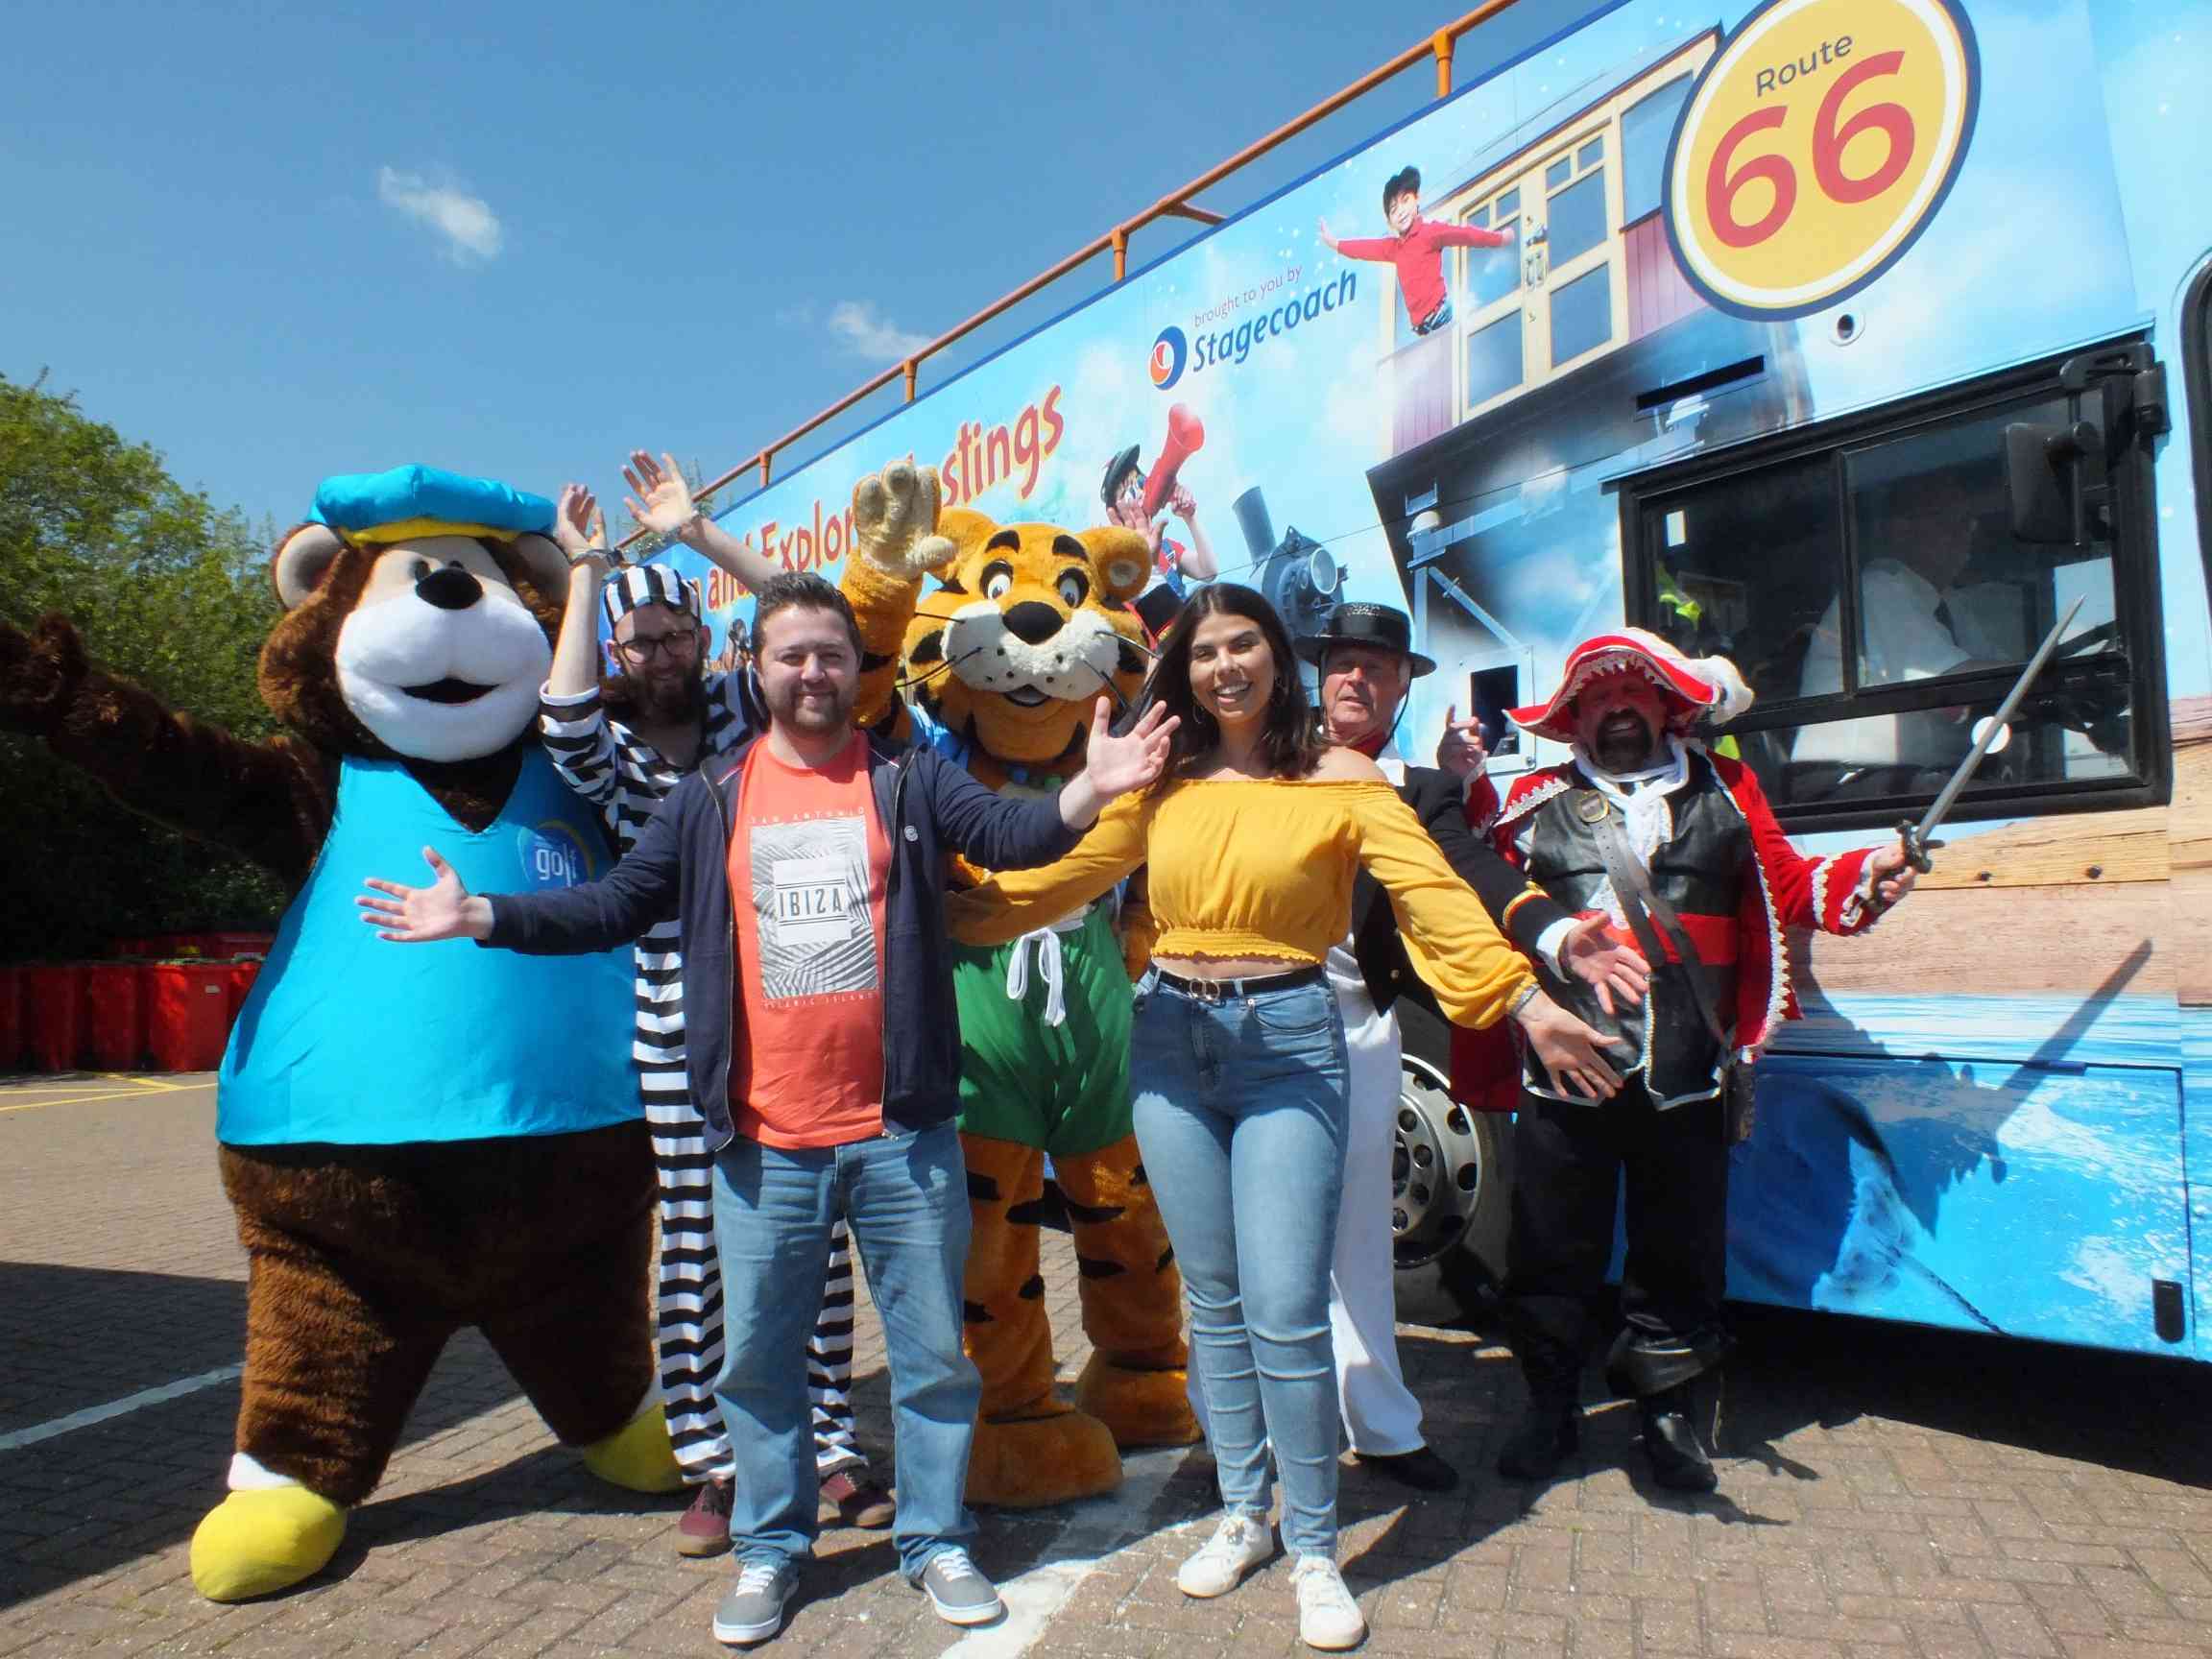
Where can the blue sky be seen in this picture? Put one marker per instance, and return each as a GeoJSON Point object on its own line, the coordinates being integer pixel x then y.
{"type": "Point", "coordinates": [278, 242]}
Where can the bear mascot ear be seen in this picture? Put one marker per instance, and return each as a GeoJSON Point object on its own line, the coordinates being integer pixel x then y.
{"type": "Point", "coordinates": [302, 561]}
{"type": "Point", "coordinates": [547, 563]}
{"type": "Point", "coordinates": [1122, 558]}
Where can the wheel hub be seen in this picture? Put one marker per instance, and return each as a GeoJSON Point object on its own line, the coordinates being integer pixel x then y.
{"type": "Point", "coordinates": [1435, 1171]}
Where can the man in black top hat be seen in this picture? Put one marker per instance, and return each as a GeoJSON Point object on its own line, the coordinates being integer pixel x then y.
{"type": "Point", "coordinates": [1366, 664]}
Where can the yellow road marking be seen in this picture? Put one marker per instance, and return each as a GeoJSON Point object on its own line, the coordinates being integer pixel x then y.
{"type": "Point", "coordinates": [108, 1094]}
{"type": "Point", "coordinates": [145, 1082]}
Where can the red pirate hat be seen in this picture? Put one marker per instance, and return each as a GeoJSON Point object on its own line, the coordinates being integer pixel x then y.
{"type": "Point", "coordinates": [1695, 687]}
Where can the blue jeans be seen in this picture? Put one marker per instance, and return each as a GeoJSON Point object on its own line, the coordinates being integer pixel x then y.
{"type": "Point", "coordinates": [1241, 1115]}
{"type": "Point", "coordinates": [905, 1199]}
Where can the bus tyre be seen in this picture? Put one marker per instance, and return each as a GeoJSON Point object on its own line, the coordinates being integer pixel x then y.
{"type": "Point", "coordinates": [1452, 1186]}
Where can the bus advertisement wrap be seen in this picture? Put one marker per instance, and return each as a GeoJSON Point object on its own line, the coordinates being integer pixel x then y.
{"type": "Point", "coordinates": [1748, 333]}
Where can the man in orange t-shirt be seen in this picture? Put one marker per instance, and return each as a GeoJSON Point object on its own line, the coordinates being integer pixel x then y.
{"type": "Point", "coordinates": [807, 1066]}
{"type": "Point", "coordinates": [826, 1060]}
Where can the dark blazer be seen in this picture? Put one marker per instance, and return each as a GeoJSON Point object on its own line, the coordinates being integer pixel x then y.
{"type": "Point", "coordinates": [680, 867]}
{"type": "Point", "coordinates": [1436, 800]}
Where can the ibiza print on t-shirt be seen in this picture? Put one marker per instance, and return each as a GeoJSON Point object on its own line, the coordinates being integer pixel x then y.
{"type": "Point", "coordinates": [810, 898]}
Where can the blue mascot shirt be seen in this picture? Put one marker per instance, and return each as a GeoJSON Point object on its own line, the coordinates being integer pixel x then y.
{"type": "Point", "coordinates": [346, 1038]}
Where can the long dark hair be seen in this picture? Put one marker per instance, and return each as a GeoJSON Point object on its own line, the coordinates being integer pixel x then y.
{"type": "Point", "coordinates": [1291, 745]}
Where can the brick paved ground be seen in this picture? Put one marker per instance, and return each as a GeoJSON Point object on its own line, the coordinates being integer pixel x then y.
{"type": "Point", "coordinates": [1896, 1494]}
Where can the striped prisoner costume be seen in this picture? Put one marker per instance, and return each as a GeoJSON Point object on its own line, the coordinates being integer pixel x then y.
{"type": "Point", "coordinates": [601, 760]}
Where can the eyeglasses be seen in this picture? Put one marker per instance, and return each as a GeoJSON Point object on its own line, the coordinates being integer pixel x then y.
{"type": "Point", "coordinates": [645, 647]}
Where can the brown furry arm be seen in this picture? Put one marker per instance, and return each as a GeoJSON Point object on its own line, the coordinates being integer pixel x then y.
{"type": "Point", "coordinates": [269, 801]}
{"type": "Point", "coordinates": [883, 604]}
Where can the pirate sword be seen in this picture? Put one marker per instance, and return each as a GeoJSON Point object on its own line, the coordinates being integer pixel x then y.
{"type": "Point", "coordinates": [1915, 837]}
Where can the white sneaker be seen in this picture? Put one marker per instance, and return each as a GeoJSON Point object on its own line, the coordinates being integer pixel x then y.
{"type": "Point", "coordinates": [1328, 1617]}
{"type": "Point", "coordinates": [1240, 1544]}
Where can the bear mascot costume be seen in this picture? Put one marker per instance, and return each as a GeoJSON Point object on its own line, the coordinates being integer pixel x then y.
{"type": "Point", "coordinates": [413, 1142]}
{"type": "Point", "coordinates": [1026, 627]}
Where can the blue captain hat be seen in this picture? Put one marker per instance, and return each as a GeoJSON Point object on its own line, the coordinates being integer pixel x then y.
{"type": "Point", "coordinates": [370, 509]}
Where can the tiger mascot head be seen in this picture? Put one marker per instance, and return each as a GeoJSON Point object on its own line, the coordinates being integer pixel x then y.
{"type": "Point", "coordinates": [1026, 627]}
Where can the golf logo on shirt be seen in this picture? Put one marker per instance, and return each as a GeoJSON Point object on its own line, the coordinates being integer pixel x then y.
{"type": "Point", "coordinates": [554, 854]}
{"type": "Point", "coordinates": [810, 893]}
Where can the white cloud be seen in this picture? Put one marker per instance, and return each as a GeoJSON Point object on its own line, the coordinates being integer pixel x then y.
{"type": "Point", "coordinates": [866, 332]}
{"type": "Point", "coordinates": [466, 226]}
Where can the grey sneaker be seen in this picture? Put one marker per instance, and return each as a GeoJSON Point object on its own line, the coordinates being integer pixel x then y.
{"type": "Point", "coordinates": [960, 1594]}
{"type": "Point", "coordinates": [754, 1609]}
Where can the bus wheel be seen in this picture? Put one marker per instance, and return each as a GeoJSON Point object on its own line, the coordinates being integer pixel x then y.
{"type": "Point", "coordinates": [1450, 1194]}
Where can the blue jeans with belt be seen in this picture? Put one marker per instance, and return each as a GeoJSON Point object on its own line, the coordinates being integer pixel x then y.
{"type": "Point", "coordinates": [905, 1199]}
{"type": "Point", "coordinates": [1239, 1103]}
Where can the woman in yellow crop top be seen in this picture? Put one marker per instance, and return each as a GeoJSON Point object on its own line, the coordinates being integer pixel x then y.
{"type": "Point", "coordinates": [1253, 837]}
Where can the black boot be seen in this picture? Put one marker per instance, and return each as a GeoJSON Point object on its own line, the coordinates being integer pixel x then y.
{"type": "Point", "coordinates": [1420, 1469]}
{"type": "Point", "coordinates": [1680, 1461]}
{"type": "Point", "coordinates": [1546, 1438]}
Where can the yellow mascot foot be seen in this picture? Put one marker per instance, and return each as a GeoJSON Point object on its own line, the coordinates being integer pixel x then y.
{"type": "Point", "coordinates": [1138, 1407]}
{"type": "Point", "coordinates": [1042, 1460]}
{"type": "Point", "coordinates": [258, 1542]}
{"type": "Point", "coordinates": [637, 1457]}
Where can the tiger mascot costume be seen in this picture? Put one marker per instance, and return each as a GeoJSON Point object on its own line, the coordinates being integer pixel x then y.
{"type": "Point", "coordinates": [1027, 626]}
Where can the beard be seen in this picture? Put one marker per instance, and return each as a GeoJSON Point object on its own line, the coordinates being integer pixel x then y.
{"type": "Point", "coordinates": [641, 699]}
{"type": "Point", "coordinates": [1625, 743]}
{"type": "Point", "coordinates": [815, 716]}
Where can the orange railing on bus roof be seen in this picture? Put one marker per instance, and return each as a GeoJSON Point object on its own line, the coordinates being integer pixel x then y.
{"type": "Point", "coordinates": [1176, 203]}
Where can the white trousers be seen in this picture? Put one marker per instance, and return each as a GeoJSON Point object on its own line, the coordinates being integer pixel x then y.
{"type": "Point", "coordinates": [1381, 1416]}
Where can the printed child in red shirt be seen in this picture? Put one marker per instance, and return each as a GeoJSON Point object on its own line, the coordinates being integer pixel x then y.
{"type": "Point", "coordinates": [1416, 246]}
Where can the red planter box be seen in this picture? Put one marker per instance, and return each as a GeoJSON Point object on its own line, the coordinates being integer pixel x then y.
{"type": "Point", "coordinates": [115, 1010]}
{"type": "Point", "coordinates": [55, 994]}
{"type": "Point", "coordinates": [188, 1014]}
{"type": "Point", "coordinates": [239, 979]}
{"type": "Point", "coordinates": [11, 1018]}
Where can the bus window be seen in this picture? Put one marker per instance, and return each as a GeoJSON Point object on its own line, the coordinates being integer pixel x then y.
{"type": "Point", "coordinates": [1745, 571]}
{"type": "Point", "coordinates": [1645, 125]}
{"type": "Point", "coordinates": [1874, 596]}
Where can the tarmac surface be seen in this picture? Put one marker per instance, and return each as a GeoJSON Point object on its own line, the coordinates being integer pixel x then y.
{"type": "Point", "coordinates": [1889, 1493]}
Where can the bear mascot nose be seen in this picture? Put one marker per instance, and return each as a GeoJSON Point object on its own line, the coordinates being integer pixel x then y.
{"type": "Point", "coordinates": [450, 588]}
{"type": "Point", "coordinates": [1033, 621]}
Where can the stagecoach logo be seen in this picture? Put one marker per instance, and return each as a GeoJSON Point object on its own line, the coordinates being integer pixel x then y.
{"type": "Point", "coordinates": [1169, 353]}
{"type": "Point", "coordinates": [1816, 147]}
{"type": "Point", "coordinates": [1227, 347]}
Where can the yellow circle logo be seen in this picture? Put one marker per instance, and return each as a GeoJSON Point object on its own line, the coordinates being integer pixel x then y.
{"type": "Point", "coordinates": [1816, 147]}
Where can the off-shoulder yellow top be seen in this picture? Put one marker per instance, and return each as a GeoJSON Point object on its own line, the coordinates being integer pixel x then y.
{"type": "Point", "coordinates": [1264, 867]}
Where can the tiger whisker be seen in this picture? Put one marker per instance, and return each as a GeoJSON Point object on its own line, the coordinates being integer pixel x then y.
{"type": "Point", "coordinates": [1106, 680]}
{"type": "Point", "coordinates": [949, 664]}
